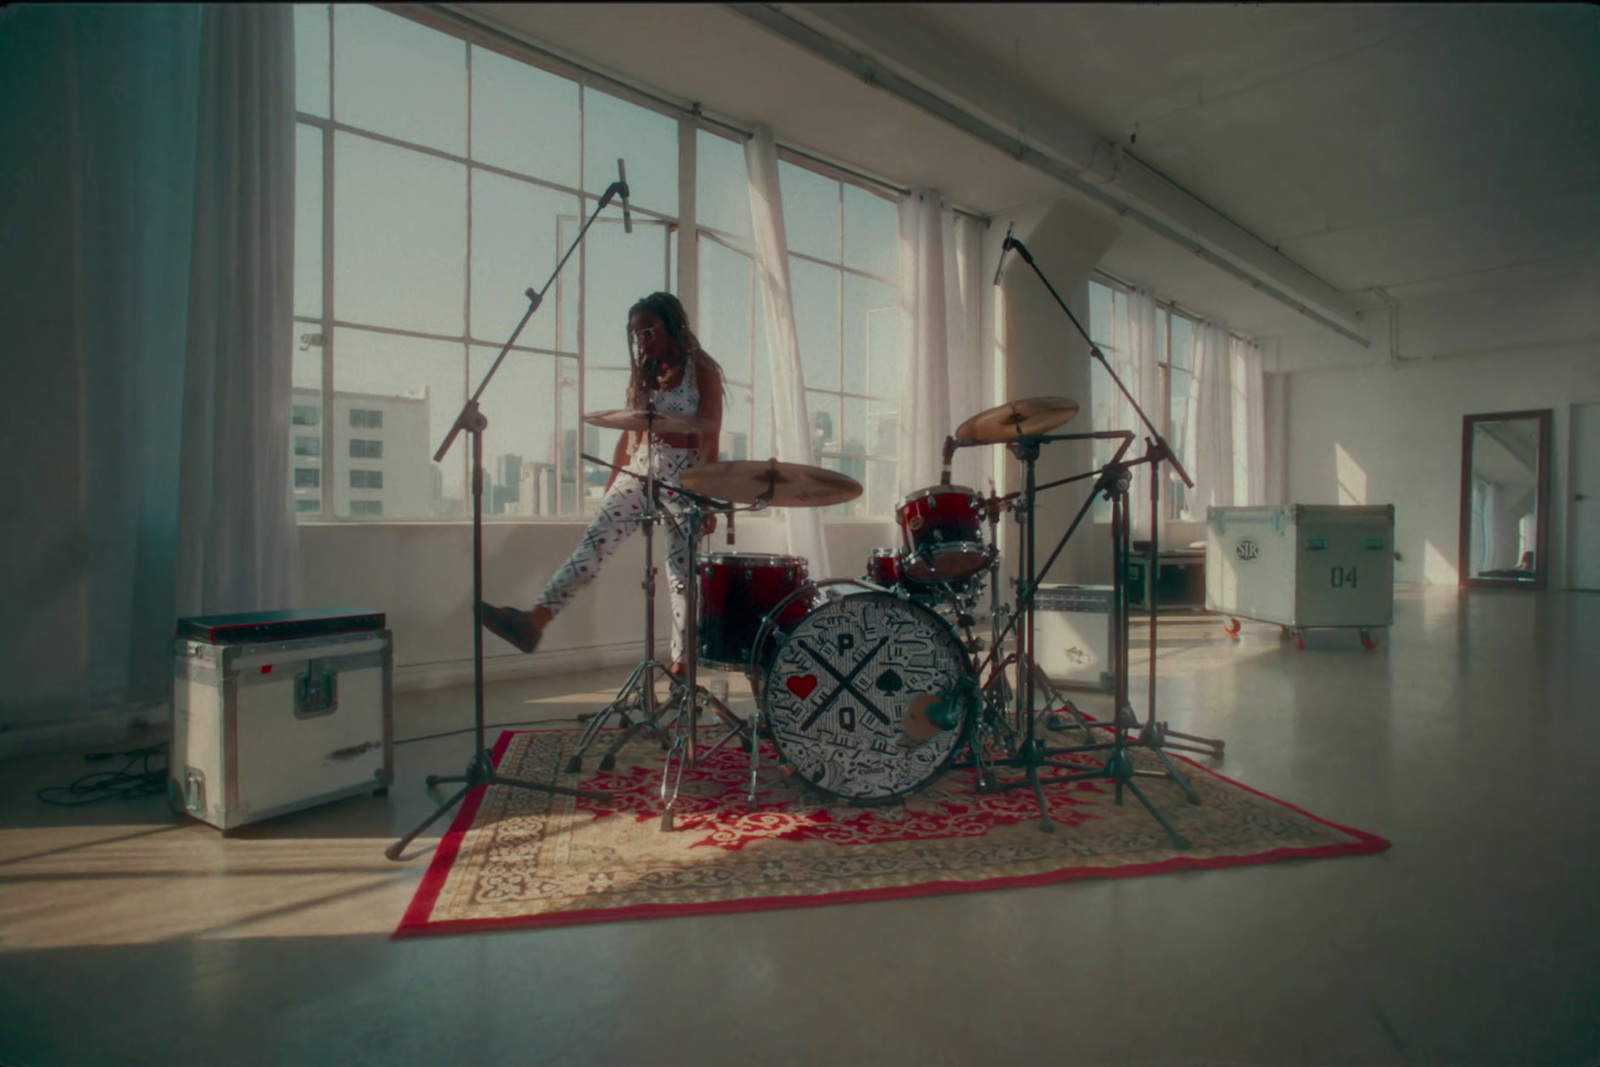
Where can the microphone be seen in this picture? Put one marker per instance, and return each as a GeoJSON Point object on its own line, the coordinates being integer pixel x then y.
{"type": "Point", "coordinates": [1009, 244]}
{"type": "Point", "coordinates": [622, 180]}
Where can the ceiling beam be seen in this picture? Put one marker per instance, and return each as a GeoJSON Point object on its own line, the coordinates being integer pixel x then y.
{"type": "Point", "coordinates": [896, 53]}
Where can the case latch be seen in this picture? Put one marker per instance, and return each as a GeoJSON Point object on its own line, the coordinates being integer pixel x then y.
{"type": "Point", "coordinates": [316, 690]}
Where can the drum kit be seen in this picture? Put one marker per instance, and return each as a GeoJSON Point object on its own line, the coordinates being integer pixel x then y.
{"type": "Point", "coordinates": [871, 688]}
{"type": "Point", "coordinates": [868, 688]}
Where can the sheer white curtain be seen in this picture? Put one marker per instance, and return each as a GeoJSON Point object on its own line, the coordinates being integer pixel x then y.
{"type": "Point", "coordinates": [1136, 362]}
{"type": "Point", "coordinates": [238, 546]}
{"type": "Point", "coordinates": [790, 422]}
{"type": "Point", "coordinates": [184, 125]}
{"type": "Point", "coordinates": [942, 374]}
{"type": "Point", "coordinates": [1249, 422]}
{"type": "Point", "coordinates": [1213, 461]}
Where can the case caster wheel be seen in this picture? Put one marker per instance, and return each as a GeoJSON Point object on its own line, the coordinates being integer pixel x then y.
{"type": "Point", "coordinates": [607, 762]}
{"type": "Point", "coordinates": [1231, 627]}
{"type": "Point", "coordinates": [1367, 642]}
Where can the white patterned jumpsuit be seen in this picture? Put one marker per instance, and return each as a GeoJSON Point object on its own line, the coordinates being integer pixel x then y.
{"type": "Point", "coordinates": [620, 511]}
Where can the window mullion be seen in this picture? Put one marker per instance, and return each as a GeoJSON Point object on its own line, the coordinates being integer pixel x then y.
{"type": "Point", "coordinates": [325, 464]}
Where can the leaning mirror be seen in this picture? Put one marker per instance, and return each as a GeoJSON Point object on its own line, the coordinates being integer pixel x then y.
{"type": "Point", "coordinates": [1505, 481]}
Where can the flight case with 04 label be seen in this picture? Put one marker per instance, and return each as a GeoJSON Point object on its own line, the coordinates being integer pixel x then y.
{"type": "Point", "coordinates": [1302, 566]}
{"type": "Point", "coordinates": [274, 712]}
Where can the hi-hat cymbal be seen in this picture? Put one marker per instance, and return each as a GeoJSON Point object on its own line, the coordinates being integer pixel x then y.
{"type": "Point", "coordinates": [791, 485]}
{"type": "Point", "coordinates": [645, 420]}
{"type": "Point", "coordinates": [1019, 418]}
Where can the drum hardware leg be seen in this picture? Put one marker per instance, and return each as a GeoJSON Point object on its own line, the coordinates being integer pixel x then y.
{"type": "Point", "coordinates": [631, 696]}
{"type": "Point", "coordinates": [755, 757]}
{"type": "Point", "coordinates": [1207, 745]}
{"type": "Point", "coordinates": [1053, 714]}
{"type": "Point", "coordinates": [737, 727]}
{"type": "Point", "coordinates": [677, 756]}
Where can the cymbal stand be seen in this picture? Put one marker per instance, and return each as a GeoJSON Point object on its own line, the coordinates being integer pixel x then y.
{"type": "Point", "coordinates": [638, 692]}
{"type": "Point", "coordinates": [992, 724]}
{"type": "Point", "coordinates": [684, 750]}
{"type": "Point", "coordinates": [480, 769]}
{"type": "Point", "coordinates": [1031, 754]}
{"type": "Point", "coordinates": [1154, 734]}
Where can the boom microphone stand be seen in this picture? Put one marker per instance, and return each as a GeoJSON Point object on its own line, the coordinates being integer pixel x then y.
{"type": "Point", "coordinates": [1113, 482]}
{"type": "Point", "coordinates": [1153, 734]}
{"type": "Point", "coordinates": [481, 770]}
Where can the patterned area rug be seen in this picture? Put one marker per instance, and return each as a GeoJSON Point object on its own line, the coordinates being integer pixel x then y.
{"type": "Point", "coordinates": [515, 858]}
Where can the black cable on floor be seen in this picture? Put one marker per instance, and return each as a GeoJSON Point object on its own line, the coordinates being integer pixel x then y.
{"type": "Point", "coordinates": [123, 784]}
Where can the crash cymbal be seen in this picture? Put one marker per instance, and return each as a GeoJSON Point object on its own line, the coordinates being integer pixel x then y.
{"type": "Point", "coordinates": [791, 485]}
{"type": "Point", "coordinates": [1019, 418]}
{"type": "Point", "coordinates": [642, 420]}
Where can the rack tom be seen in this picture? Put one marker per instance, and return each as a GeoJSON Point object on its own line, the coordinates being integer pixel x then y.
{"type": "Point", "coordinates": [942, 531]}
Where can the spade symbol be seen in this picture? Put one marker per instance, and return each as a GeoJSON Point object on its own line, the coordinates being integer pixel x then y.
{"type": "Point", "coordinates": [890, 683]}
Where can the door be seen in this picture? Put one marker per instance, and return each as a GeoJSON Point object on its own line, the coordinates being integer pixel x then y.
{"type": "Point", "coordinates": [1585, 502]}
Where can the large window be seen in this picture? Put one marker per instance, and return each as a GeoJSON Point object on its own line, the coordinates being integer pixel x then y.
{"type": "Point", "coordinates": [439, 179]}
{"type": "Point", "coordinates": [843, 272]}
{"type": "Point", "coordinates": [1178, 405]}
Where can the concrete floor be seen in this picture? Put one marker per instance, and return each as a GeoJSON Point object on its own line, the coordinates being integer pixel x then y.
{"type": "Point", "coordinates": [1471, 739]}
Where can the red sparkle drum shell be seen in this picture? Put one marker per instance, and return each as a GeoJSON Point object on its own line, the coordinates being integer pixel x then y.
{"type": "Point", "coordinates": [883, 568]}
{"type": "Point", "coordinates": [942, 531]}
{"type": "Point", "coordinates": [737, 590]}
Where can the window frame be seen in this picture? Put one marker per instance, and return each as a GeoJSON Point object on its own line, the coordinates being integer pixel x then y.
{"type": "Point", "coordinates": [1172, 510]}
{"type": "Point", "coordinates": [318, 331]}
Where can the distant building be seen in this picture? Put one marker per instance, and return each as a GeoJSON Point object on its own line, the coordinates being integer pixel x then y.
{"type": "Point", "coordinates": [382, 457]}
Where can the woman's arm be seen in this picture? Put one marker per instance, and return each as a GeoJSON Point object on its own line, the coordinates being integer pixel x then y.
{"type": "Point", "coordinates": [710, 413]}
{"type": "Point", "coordinates": [621, 456]}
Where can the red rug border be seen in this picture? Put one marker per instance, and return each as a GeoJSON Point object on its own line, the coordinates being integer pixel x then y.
{"type": "Point", "coordinates": [415, 923]}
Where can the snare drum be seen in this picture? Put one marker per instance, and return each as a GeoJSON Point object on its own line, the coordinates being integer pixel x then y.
{"type": "Point", "coordinates": [868, 696]}
{"type": "Point", "coordinates": [736, 593]}
{"type": "Point", "coordinates": [942, 530]}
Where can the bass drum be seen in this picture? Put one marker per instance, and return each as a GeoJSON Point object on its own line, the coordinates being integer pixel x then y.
{"type": "Point", "coordinates": [866, 694]}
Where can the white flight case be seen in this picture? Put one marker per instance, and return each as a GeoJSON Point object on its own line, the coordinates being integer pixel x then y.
{"type": "Point", "coordinates": [1072, 635]}
{"type": "Point", "coordinates": [1302, 566]}
{"type": "Point", "coordinates": [280, 711]}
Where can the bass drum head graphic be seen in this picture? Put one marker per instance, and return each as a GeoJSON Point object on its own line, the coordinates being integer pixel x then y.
{"type": "Point", "coordinates": [865, 695]}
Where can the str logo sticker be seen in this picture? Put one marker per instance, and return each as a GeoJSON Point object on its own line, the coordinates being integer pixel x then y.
{"type": "Point", "coordinates": [1247, 550]}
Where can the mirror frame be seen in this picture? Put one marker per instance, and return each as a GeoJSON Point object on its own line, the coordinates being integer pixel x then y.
{"type": "Point", "coordinates": [1541, 573]}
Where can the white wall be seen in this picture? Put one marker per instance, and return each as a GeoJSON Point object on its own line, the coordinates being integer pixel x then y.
{"type": "Point", "coordinates": [1391, 414]}
{"type": "Point", "coordinates": [420, 574]}
{"type": "Point", "coordinates": [1392, 435]}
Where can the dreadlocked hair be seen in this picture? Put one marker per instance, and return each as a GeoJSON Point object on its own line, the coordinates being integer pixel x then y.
{"type": "Point", "coordinates": [676, 322]}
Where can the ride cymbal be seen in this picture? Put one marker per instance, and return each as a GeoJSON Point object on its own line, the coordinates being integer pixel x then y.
{"type": "Point", "coordinates": [790, 485]}
{"type": "Point", "coordinates": [656, 422]}
{"type": "Point", "coordinates": [1019, 418]}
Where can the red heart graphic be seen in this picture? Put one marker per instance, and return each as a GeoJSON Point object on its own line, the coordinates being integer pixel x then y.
{"type": "Point", "coordinates": [801, 685]}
